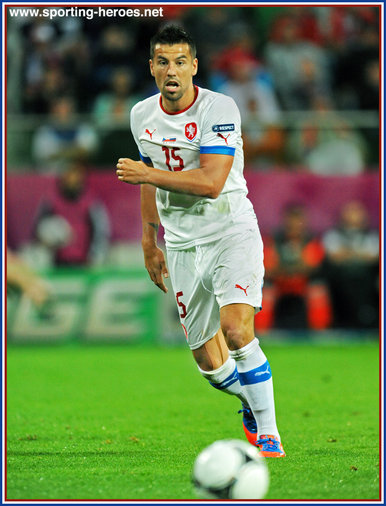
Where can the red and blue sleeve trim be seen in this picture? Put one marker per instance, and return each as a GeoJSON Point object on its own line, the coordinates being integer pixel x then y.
{"type": "Point", "coordinates": [218, 150]}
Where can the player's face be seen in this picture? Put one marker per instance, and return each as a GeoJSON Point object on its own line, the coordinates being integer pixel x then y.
{"type": "Point", "coordinates": [173, 69]}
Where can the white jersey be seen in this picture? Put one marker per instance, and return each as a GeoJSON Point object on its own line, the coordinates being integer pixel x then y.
{"type": "Point", "coordinates": [174, 141]}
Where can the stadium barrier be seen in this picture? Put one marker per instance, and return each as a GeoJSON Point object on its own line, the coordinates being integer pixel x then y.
{"type": "Point", "coordinates": [323, 197]}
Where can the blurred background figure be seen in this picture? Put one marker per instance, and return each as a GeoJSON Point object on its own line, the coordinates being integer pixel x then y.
{"type": "Point", "coordinates": [356, 70]}
{"type": "Point", "coordinates": [326, 144]}
{"type": "Point", "coordinates": [240, 74]}
{"type": "Point", "coordinates": [263, 139]}
{"type": "Point", "coordinates": [74, 225]}
{"type": "Point", "coordinates": [53, 83]}
{"type": "Point", "coordinates": [114, 48]}
{"type": "Point", "coordinates": [245, 79]}
{"type": "Point", "coordinates": [240, 48]}
{"type": "Point", "coordinates": [294, 295]}
{"type": "Point", "coordinates": [41, 61]}
{"type": "Point", "coordinates": [111, 115]}
{"type": "Point", "coordinates": [352, 253]}
{"type": "Point", "coordinates": [62, 138]}
{"type": "Point", "coordinates": [299, 67]}
{"type": "Point", "coordinates": [22, 278]}
{"type": "Point", "coordinates": [112, 108]}
{"type": "Point", "coordinates": [57, 61]}
{"type": "Point", "coordinates": [356, 67]}
{"type": "Point", "coordinates": [213, 28]}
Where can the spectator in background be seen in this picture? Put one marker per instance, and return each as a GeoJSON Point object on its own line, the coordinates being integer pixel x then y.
{"type": "Point", "coordinates": [42, 76]}
{"type": "Point", "coordinates": [299, 68]}
{"type": "Point", "coordinates": [111, 112]}
{"type": "Point", "coordinates": [56, 60]}
{"type": "Point", "coordinates": [77, 64]}
{"type": "Point", "coordinates": [326, 144]}
{"type": "Point", "coordinates": [341, 24]}
{"type": "Point", "coordinates": [294, 295]}
{"type": "Point", "coordinates": [53, 84]}
{"type": "Point", "coordinates": [112, 109]}
{"type": "Point", "coordinates": [62, 138]}
{"type": "Point", "coordinates": [213, 28]}
{"type": "Point", "coordinates": [242, 83]}
{"type": "Point", "coordinates": [309, 28]}
{"type": "Point", "coordinates": [263, 141]}
{"type": "Point", "coordinates": [241, 76]}
{"type": "Point", "coordinates": [114, 51]}
{"type": "Point", "coordinates": [74, 224]}
{"type": "Point", "coordinates": [240, 49]}
{"type": "Point", "coordinates": [357, 70]}
{"type": "Point", "coordinates": [352, 252]}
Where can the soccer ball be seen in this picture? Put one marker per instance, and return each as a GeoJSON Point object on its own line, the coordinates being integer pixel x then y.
{"type": "Point", "coordinates": [230, 469]}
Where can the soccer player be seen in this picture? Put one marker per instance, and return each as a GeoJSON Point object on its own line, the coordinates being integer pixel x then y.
{"type": "Point", "coordinates": [191, 177]}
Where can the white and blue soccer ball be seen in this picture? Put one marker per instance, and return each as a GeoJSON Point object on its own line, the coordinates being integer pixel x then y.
{"type": "Point", "coordinates": [230, 469]}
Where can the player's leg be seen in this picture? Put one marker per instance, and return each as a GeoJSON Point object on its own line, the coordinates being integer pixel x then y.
{"type": "Point", "coordinates": [237, 322]}
{"type": "Point", "coordinates": [238, 283]}
{"type": "Point", "coordinates": [215, 364]}
{"type": "Point", "coordinates": [199, 316]}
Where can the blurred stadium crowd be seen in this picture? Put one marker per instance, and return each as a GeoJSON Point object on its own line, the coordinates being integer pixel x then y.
{"type": "Point", "coordinates": [306, 80]}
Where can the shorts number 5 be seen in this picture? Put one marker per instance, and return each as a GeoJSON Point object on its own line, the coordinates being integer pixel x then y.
{"type": "Point", "coordinates": [181, 304]}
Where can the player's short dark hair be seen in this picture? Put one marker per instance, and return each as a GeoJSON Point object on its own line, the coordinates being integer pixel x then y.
{"type": "Point", "coordinates": [172, 34]}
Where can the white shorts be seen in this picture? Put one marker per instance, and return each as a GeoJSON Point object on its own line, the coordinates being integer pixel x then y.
{"type": "Point", "coordinates": [207, 277]}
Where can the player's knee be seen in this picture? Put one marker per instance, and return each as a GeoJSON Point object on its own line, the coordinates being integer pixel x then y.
{"type": "Point", "coordinates": [236, 335]}
{"type": "Point", "coordinates": [206, 361]}
{"type": "Point", "coordinates": [205, 364]}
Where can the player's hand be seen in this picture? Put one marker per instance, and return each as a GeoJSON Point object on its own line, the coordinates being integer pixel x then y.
{"type": "Point", "coordinates": [156, 266]}
{"type": "Point", "coordinates": [39, 291]}
{"type": "Point", "coordinates": [132, 172]}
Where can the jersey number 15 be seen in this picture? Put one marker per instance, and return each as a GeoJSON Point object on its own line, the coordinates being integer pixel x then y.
{"type": "Point", "coordinates": [171, 153]}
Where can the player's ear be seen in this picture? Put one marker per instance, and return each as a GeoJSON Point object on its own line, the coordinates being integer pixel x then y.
{"type": "Point", "coordinates": [151, 67]}
{"type": "Point", "coordinates": [195, 67]}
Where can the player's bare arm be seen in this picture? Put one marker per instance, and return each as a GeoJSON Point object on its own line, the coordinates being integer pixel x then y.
{"type": "Point", "coordinates": [206, 181]}
{"type": "Point", "coordinates": [154, 257]}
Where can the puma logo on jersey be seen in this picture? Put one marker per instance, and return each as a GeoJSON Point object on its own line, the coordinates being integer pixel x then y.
{"type": "Point", "coordinates": [150, 133]}
{"type": "Point", "coordinates": [243, 289]}
{"type": "Point", "coordinates": [223, 137]}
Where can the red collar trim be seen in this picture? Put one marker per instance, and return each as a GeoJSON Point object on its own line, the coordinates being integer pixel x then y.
{"type": "Point", "coordinates": [183, 110]}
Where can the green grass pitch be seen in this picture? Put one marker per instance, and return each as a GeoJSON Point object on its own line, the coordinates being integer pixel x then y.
{"type": "Point", "coordinates": [126, 422]}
